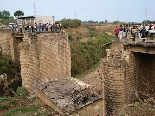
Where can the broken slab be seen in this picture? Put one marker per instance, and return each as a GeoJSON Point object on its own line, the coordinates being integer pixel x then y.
{"type": "Point", "coordinates": [66, 95]}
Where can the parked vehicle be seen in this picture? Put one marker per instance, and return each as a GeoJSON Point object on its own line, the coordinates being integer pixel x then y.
{"type": "Point", "coordinates": [152, 34]}
{"type": "Point", "coordinates": [11, 24]}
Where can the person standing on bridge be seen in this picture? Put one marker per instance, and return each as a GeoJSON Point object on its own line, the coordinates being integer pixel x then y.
{"type": "Point", "coordinates": [140, 30]}
{"type": "Point", "coordinates": [116, 30]}
{"type": "Point", "coordinates": [143, 32]}
{"type": "Point", "coordinates": [120, 32]}
{"type": "Point", "coordinates": [125, 30]}
{"type": "Point", "coordinates": [146, 30]}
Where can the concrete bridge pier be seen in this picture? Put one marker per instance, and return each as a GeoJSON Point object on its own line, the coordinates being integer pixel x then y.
{"type": "Point", "coordinates": [119, 79]}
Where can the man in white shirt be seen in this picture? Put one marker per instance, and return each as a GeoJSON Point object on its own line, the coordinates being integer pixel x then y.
{"type": "Point", "coordinates": [152, 27]}
{"type": "Point", "coordinates": [146, 30]}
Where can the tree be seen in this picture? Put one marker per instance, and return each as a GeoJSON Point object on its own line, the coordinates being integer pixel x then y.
{"type": "Point", "coordinates": [11, 19]}
{"type": "Point", "coordinates": [7, 21]}
{"type": "Point", "coordinates": [6, 18]}
{"type": "Point", "coordinates": [1, 15]}
{"type": "Point", "coordinates": [101, 22]}
{"type": "Point", "coordinates": [70, 23]}
{"type": "Point", "coordinates": [116, 22]}
{"type": "Point", "coordinates": [18, 13]}
{"type": "Point", "coordinates": [5, 14]}
{"type": "Point", "coordinates": [146, 22]}
{"type": "Point", "coordinates": [106, 21]}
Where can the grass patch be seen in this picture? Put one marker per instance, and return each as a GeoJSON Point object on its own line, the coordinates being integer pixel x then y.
{"type": "Point", "coordinates": [7, 102]}
{"type": "Point", "coordinates": [22, 110]}
{"type": "Point", "coordinates": [5, 99]}
{"type": "Point", "coordinates": [14, 102]}
{"type": "Point", "coordinates": [21, 92]}
{"type": "Point", "coordinates": [4, 107]}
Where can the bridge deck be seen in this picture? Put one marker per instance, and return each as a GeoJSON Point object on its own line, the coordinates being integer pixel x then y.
{"type": "Point", "coordinates": [142, 45]}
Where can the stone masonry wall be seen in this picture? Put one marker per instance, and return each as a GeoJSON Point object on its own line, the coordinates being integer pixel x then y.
{"type": "Point", "coordinates": [127, 76]}
{"type": "Point", "coordinates": [114, 81]}
{"type": "Point", "coordinates": [43, 57]}
{"type": "Point", "coordinates": [119, 80]}
{"type": "Point", "coordinates": [6, 44]}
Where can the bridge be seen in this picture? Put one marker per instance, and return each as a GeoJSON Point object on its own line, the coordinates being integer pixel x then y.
{"type": "Point", "coordinates": [128, 73]}
{"type": "Point", "coordinates": [46, 56]}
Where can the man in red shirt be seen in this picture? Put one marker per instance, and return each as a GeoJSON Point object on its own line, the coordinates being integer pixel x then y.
{"type": "Point", "coordinates": [116, 30]}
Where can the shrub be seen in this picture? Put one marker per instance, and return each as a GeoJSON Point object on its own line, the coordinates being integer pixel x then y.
{"type": "Point", "coordinates": [70, 37]}
{"type": "Point", "coordinates": [7, 66]}
{"type": "Point", "coordinates": [7, 102]}
{"type": "Point", "coordinates": [4, 107]}
{"type": "Point", "coordinates": [70, 23]}
{"type": "Point", "coordinates": [5, 99]}
{"type": "Point", "coordinates": [85, 55]}
{"type": "Point", "coordinates": [78, 37]}
{"type": "Point", "coordinates": [14, 102]}
{"type": "Point", "coordinates": [22, 92]}
{"type": "Point", "coordinates": [92, 31]}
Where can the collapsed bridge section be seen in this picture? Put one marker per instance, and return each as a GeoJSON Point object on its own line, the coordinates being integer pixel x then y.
{"type": "Point", "coordinates": [66, 95]}
{"type": "Point", "coordinates": [128, 73]}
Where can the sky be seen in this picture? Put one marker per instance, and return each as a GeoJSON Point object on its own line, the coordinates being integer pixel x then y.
{"type": "Point", "coordinates": [85, 10]}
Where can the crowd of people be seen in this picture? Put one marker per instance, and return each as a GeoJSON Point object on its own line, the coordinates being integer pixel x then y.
{"type": "Point", "coordinates": [128, 31]}
{"type": "Point", "coordinates": [36, 27]}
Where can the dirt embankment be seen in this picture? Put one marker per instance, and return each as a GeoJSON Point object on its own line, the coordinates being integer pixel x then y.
{"type": "Point", "coordinates": [77, 32]}
{"type": "Point", "coordinates": [82, 30]}
{"type": "Point", "coordinates": [108, 28]}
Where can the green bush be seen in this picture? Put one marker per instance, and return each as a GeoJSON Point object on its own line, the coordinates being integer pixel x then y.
{"type": "Point", "coordinates": [21, 92]}
{"type": "Point", "coordinates": [5, 99]}
{"type": "Point", "coordinates": [3, 107]}
{"type": "Point", "coordinates": [14, 102]}
{"type": "Point", "coordinates": [70, 23]}
{"type": "Point", "coordinates": [78, 37]}
{"type": "Point", "coordinates": [70, 38]}
{"type": "Point", "coordinates": [92, 31]}
{"type": "Point", "coordinates": [12, 70]}
{"type": "Point", "coordinates": [7, 102]}
{"type": "Point", "coordinates": [7, 66]}
{"type": "Point", "coordinates": [85, 55]}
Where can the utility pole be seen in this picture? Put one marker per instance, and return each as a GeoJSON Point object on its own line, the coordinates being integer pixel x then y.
{"type": "Point", "coordinates": [34, 9]}
{"type": "Point", "coordinates": [75, 15]}
{"type": "Point", "coordinates": [34, 12]}
{"type": "Point", "coordinates": [146, 14]}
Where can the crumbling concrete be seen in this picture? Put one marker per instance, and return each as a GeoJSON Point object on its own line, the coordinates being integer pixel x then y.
{"type": "Point", "coordinates": [65, 95]}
